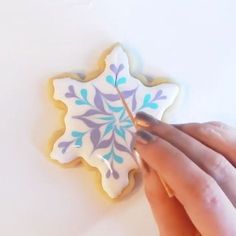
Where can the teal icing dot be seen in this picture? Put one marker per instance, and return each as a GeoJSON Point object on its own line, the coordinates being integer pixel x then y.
{"type": "Point", "coordinates": [118, 159]}
{"type": "Point", "coordinates": [122, 80]}
{"type": "Point", "coordinates": [110, 80]}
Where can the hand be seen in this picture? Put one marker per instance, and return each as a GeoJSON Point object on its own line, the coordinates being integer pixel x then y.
{"type": "Point", "coordinates": [197, 161]}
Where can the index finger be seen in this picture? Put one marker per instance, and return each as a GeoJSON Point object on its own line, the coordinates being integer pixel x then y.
{"type": "Point", "coordinates": [215, 135]}
{"type": "Point", "coordinates": [204, 201]}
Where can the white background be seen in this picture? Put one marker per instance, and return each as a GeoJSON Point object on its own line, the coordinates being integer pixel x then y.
{"type": "Point", "coordinates": [191, 42]}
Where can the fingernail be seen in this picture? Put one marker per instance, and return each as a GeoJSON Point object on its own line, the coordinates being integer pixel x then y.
{"type": "Point", "coordinates": [144, 120]}
{"type": "Point", "coordinates": [144, 137]}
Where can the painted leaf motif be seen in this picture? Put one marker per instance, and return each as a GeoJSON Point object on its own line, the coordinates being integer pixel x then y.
{"type": "Point", "coordinates": [80, 102]}
{"type": "Point", "coordinates": [115, 109]}
{"type": "Point", "coordinates": [89, 123]}
{"type": "Point", "coordinates": [84, 94]}
{"type": "Point", "coordinates": [64, 146]}
{"type": "Point", "coordinates": [91, 112]}
{"type": "Point", "coordinates": [121, 80]}
{"type": "Point", "coordinates": [105, 143]}
{"type": "Point", "coordinates": [107, 156]}
{"type": "Point", "coordinates": [108, 128]}
{"type": "Point", "coordinates": [118, 159]}
{"type": "Point", "coordinates": [95, 137]}
{"type": "Point", "coordinates": [113, 69]}
{"type": "Point", "coordinates": [128, 93]}
{"type": "Point", "coordinates": [121, 67]}
{"type": "Point", "coordinates": [108, 174]}
{"type": "Point", "coordinates": [146, 99]}
{"type": "Point", "coordinates": [121, 147]}
{"type": "Point", "coordinates": [159, 96]}
{"type": "Point", "coordinates": [115, 174]}
{"type": "Point", "coordinates": [111, 97]}
{"type": "Point", "coordinates": [108, 118]}
{"type": "Point", "coordinates": [98, 100]}
{"type": "Point", "coordinates": [134, 103]}
{"type": "Point", "coordinates": [71, 92]}
{"type": "Point", "coordinates": [110, 80]}
{"type": "Point", "coordinates": [120, 132]}
{"type": "Point", "coordinates": [152, 105]}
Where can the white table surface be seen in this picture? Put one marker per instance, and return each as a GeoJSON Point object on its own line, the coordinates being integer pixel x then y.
{"type": "Point", "coordinates": [192, 42]}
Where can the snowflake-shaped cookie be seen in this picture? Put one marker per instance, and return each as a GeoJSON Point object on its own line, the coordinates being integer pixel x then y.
{"type": "Point", "coordinates": [97, 126]}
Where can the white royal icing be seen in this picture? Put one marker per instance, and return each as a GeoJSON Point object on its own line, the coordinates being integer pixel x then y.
{"type": "Point", "coordinates": [97, 126]}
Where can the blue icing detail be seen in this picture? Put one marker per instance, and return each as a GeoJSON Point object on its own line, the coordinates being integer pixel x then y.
{"type": "Point", "coordinates": [107, 118]}
{"type": "Point", "coordinates": [122, 114]}
{"type": "Point", "coordinates": [147, 103]}
{"type": "Point", "coordinates": [107, 156]}
{"type": "Point", "coordinates": [120, 132]}
{"type": "Point", "coordinates": [78, 136]}
{"type": "Point", "coordinates": [84, 99]}
{"type": "Point", "coordinates": [116, 109]}
{"type": "Point", "coordinates": [122, 80]}
{"type": "Point", "coordinates": [152, 105]}
{"type": "Point", "coordinates": [146, 99]}
{"type": "Point", "coordinates": [118, 159]}
{"type": "Point", "coordinates": [127, 126]}
{"type": "Point", "coordinates": [110, 80]}
{"type": "Point", "coordinates": [109, 128]}
{"type": "Point", "coordinates": [81, 102]}
{"type": "Point", "coordinates": [84, 94]}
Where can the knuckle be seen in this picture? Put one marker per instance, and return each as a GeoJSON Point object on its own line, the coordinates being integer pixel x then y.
{"type": "Point", "coordinates": [202, 128]}
{"type": "Point", "coordinates": [218, 124]}
{"type": "Point", "coordinates": [209, 130]}
{"type": "Point", "coordinates": [219, 165]}
{"type": "Point", "coordinates": [207, 193]}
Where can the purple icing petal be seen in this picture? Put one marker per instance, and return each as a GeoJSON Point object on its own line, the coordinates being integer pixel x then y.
{"type": "Point", "coordinates": [98, 100]}
{"type": "Point", "coordinates": [162, 98]}
{"type": "Point", "coordinates": [115, 174]}
{"type": "Point", "coordinates": [111, 97]}
{"type": "Point", "coordinates": [113, 68]}
{"type": "Point", "coordinates": [121, 147]}
{"type": "Point", "coordinates": [108, 173]}
{"type": "Point", "coordinates": [71, 92]}
{"type": "Point", "coordinates": [88, 122]}
{"type": "Point", "coordinates": [64, 146]}
{"type": "Point", "coordinates": [134, 103]}
{"type": "Point", "coordinates": [159, 96]}
{"type": "Point", "coordinates": [116, 70]}
{"type": "Point", "coordinates": [129, 93]}
{"type": "Point", "coordinates": [95, 137]}
{"type": "Point", "coordinates": [92, 112]}
{"type": "Point", "coordinates": [105, 143]}
{"type": "Point", "coordinates": [121, 67]}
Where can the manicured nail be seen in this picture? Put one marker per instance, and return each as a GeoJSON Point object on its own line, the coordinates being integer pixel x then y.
{"type": "Point", "coordinates": [144, 137]}
{"type": "Point", "coordinates": [144, 120]}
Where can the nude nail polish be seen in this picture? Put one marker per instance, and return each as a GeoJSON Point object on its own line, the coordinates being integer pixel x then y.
{"type": "Point", "coordinates": [144, 137]}
{"type": "Point", "coordinates": [144, 120]}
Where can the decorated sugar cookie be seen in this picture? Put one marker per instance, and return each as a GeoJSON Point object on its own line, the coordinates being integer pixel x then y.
{"type": "Point", "coordinates": [98, 128]}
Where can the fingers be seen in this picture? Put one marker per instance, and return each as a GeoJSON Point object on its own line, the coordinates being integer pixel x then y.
{"type": "Point", "coordinates": [207, 159]}
{"type": "Point", "coordinates": [168, 212]}
{"type": "Point", "coordinates": [215, 135]}
{"type": "Point", "coordinates": [204, 201]}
